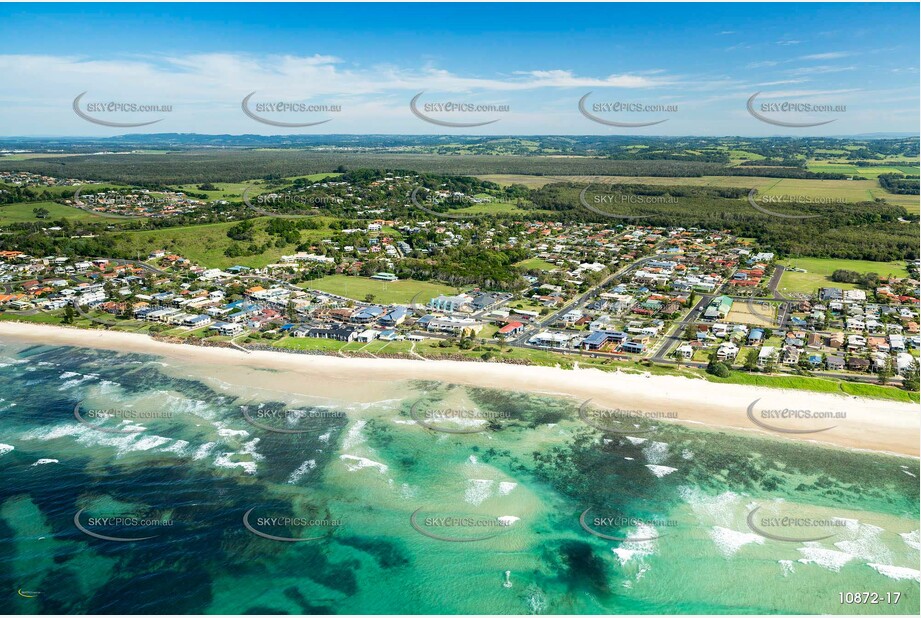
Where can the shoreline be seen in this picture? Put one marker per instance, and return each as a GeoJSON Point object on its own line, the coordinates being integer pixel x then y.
{"type": "Point", "coordinates": [879, 426]}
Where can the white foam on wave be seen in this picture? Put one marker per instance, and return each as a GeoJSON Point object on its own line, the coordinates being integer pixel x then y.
{"type": "Point", "coordinates": [226, 432]}
{"type": "Point", "coordinates": [506, 487]}
{"type": "Point", "coordinates": [656, 452]}
{"type": "Point", "coordinates": [508, 520]}
{"type": "Point", "coordinates": [76, 381]}
{"type": "Point", "coordinates": [911, 539]}
{"type": "Point", "coordinates": [42, 462]}
{"type": "Point", "coordinates": [639, 544]}
{"type": "Point", "coordinates": [249, 448]}
{"type": "Point", "coordinates": [728, 542]}
{"type": "Point", "coordinates": [909, 474]}
{"type": "Point", "coordinates": [224, 461]}
{"type": "Point", "coordinates": [865, 543]}
{"type": "Point", "coordinates": [362, 462]}
{"type": "Point", "coordinates": [302, 469]}
{"type": "Point", "coordinates": [660, 471]}
{"type": "Point", "coordinates": [895, 572]}
{"type": "Point", "coordinates": [635, 441]}
{"type": "Point", "coordinates": [123, 443]}
{"type": "Point", "coordinates": [830, 559]}
{"type": "Point", "coordinates": [179, 447]}
{"type": "Point", "coordinates": [354, 437]}
{"type": "Point", "coordinates": [325, 437]}
{"type": "Point", "coordinates": [6, 448]}
{"type": "Point", "coordinates": [478, 490]}
{"type": "Point", "coordinates": [204, 450]}
{"type": "Point", "coordinates": [787, 567]}
{"type": "Point", "coordinates": [719, 510]}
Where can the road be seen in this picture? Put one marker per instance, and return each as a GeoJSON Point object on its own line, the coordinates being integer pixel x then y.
{"type": "Point", "coordinates": [581, 300]}
{"type": "Point", "coordinates": [675, 335]}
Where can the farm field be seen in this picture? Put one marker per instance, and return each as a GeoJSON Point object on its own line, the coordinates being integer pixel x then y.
{"type": "Point", "coordinates": [866, 172]}
{"type": "Point", "coordinates": [491, 208]}
{"type": "Point", "coordinates": [234, 190]}
{"type": "Point", "coordinates": [385, 292]}
{"type": "Point", "coordinates": [849, 190]}
{"type": "Point", "coordinates": [22, 212]}
{"type": "Point", "coordinates": [225, 191]}
{"type": "Point", "coordinates": [819, 272]}
{"type": "Point", "coordinates": [205, 244]}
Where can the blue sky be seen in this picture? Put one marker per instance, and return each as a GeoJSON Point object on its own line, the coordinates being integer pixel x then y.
{"type": "Point", "coordinates": [697, 64]}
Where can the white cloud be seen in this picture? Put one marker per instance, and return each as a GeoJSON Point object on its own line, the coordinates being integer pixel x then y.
{"type": "Point", "coordinates": [826, 56]}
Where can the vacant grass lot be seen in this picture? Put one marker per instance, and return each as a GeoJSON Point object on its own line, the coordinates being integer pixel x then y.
{"type": "Point", "coordinates": [385, 292]}
{"type": "Point", "coordinates": [819, 272]}
{"type": "Point", "coordinates": [205, 244]}
{"type": "Point", "coordinates": [20, 213]}
{"type": "Point", "coordinates": [536, 264]}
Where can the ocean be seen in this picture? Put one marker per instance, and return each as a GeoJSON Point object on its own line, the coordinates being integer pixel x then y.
{"type": "Point", "coordinates": [134, 484]}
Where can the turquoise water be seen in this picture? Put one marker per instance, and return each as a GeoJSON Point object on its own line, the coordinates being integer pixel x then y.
{"type": "Point", "coordinates": [405, 519]}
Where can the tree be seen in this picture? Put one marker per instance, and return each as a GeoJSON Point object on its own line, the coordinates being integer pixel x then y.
{"type": "Point", "coordinates": [41, 213]}
{"type": "Point", "coordinates": [751, 360]}
{"type": "Point", "coordinates": [369, 298]}
{"type": "Point", "coordinates": [912, 380]}
{"type": "Point", "coordinates": [69, 314]}
{"type": "Point", "coordinates": [885, 372]}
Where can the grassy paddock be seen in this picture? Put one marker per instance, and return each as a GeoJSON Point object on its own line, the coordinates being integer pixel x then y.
{"type": "Point", "coordinates": [205, 244]}
{"type": "Point", "coordinates": [21, 213]}
{"type": "Point", "coordinates": [819, 272]}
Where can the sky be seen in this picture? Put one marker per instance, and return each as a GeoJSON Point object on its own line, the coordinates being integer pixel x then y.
{"type": "Point", "coordinates": [523, 68]}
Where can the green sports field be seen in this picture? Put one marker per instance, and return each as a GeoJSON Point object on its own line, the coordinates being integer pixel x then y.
{"type": "Point", "coordinates": [385, 292]}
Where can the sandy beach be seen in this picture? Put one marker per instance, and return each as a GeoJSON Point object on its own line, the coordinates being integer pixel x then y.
{"type": "Point", "coordinates": [850, 422]}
